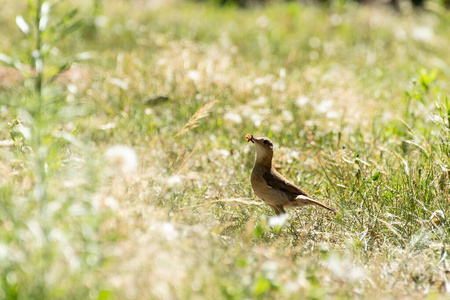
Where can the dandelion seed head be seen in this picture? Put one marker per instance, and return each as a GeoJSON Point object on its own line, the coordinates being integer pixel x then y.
{"type": "Point", "coordinates": [301, 101]}
{"type": "Point", "coordinates": [233, 117]}
{"type": "Point", "coordinates": [335, 20]}
{"type": "Point", "coordinates": [314, 42]}
{"type": "Point", "coordinates": [262, 22]}
{"type": "Point", "coordinates": [122, 158]}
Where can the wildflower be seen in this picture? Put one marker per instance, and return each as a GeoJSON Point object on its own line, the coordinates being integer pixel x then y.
{"type": "Point", "coordinates": [423, 34]}
{"type": "Point", "coordinates": [278, 220]}
{"type": "Point", "coordinates": [102, 201]}
{"type": "Point", "coordinates": [233, 117]}
{"type": "Point", "coordinates": [169, 231]}
{"type": "Point", "coordinates": [302, 100]}
{"type": "Point", "coordinates": [174, 180]}
{"type": "Point", "coordinates": [437, 217]}
{"type": "Point", "coordinates": [122, 158]}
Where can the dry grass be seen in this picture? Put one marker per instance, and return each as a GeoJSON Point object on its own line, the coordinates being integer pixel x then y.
{"type": "Point", "coordinates": [193, 121]}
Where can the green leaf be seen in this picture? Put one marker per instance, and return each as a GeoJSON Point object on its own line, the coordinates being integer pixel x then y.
{"type": "Point", "coordinates": [105, 295]}
{"type": "Point", "coordinates": [376, 176]}
{"type": "Point", "coordinates": [71, 28]}
{"type": "Point", "coordinates": [258, 231]}
{"type": "Point", "coordinates": [262, 285]}
{"type": "Point", "coordinates": [61, 69]}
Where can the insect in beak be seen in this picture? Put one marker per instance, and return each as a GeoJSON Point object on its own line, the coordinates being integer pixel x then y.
{"type": "Point", "coordinates": [249, 138]}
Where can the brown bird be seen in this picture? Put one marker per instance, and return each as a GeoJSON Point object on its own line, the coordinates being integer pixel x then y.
{"type": "Point", "coordinates": [271, 186]}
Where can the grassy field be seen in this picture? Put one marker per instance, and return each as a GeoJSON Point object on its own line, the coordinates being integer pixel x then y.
{"type": "Point", "coordinates": [127, 175]}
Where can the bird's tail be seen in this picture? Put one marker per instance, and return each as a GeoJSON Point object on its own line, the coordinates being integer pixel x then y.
{"type": "Point", "coordinates": [308, 201]}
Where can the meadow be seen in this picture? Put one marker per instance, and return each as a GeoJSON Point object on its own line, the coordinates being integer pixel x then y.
{"type": "Point", "coordinates": [125, 173]}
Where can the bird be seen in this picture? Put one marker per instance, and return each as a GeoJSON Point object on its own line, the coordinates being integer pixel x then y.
{"type": "Point", "coordinates": [269, 185]}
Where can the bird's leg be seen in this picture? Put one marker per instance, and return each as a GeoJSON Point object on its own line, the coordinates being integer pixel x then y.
{"type": "Point", "coordinates": [276, 209]}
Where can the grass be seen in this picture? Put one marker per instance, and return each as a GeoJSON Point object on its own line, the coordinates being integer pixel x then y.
{"type": "Point", "coordinates": [355, 99]}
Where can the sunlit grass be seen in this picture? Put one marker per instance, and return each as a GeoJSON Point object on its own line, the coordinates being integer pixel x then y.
{"type": "Point", "coordinates": [148, 169]}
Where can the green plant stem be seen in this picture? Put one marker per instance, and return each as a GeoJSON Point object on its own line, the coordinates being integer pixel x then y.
{"type": "Point", "coordinates": [40, 180]}
{"type": "Point", "coordinates": [41, 183]}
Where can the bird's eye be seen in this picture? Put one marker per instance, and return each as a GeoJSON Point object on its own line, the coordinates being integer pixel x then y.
{"type": "Point", "coordinates": [265, 142]}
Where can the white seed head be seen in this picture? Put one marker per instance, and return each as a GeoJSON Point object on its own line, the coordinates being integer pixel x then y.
{"type": "Point", "coordinates": [122, 158]}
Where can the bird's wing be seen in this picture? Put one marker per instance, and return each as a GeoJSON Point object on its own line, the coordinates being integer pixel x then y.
{"type": "Point", "coordinates": [277, 181]}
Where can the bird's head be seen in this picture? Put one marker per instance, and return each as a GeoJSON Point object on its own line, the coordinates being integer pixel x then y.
{"type": "Point", "coordinates": [264, 147]}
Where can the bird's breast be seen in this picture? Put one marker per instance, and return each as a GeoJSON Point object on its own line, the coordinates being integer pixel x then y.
{"type": "Point", "coordinates": [265, 192]}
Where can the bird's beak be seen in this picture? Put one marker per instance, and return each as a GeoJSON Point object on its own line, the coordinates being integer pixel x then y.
{"type": "Point", "coordinates": [250, 138]}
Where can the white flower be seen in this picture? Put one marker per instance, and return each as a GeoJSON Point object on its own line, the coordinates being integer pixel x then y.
{"type": "Point", "coordinates": [324, 106]}
{"type": "Point", "coordinates": [423, 34]}
{"type": "Point", "coordinates": [222, 152]}
{"type": "Point", "coordinates": [72, 88]}
{"type": "Point", "coordinates": [3, 110]}
{"type": "Point", "coordinates": [287, 116]}
{"type": "Point", "coordinates": [112, 203]}
{"type": "Point", "coordinates": [174, 180]}
{"type": "Point", "coordinates": [169, 231]}
{"type": "Point", "coordinates": [194, 75]}
{"type": "Point", "coordinates": [262, 22]}
{"type": "Point", "coordinates": [4, 249]}
{"type": "Point", "coordinates": [120, 83]}
{"type": "Point", "coordinates": [335, 20]}
{"type": "Point", "coordinates": [278, 220]}
{"type": "Point", "coordinates": [344, 269]}
{"type": "Point", "coordinates": [302, 100]}
{"type": "Point", "coordinates": [101, 201]}
{"type": "Point", "coordinates": [233, 117]}
{"type": "Point", "coordinates": [313, 55]}
{"type": "Point", "coordinates": [314, 42]}
{"type": "Point", "coordinates": [271, 269]}
{"type": "Point", "coordinates": [279, 85]}
{"type": "Point", "coordinates": [110, 125]}
{"type": "Point", "coordinates": [122, 158]}
{"type": "Point", "coordinates": [101, 21]}
{"type": "Point", "coordinates": [436, 118]}
{"type": "Point", "coordinates": [25, 131]}
{"type": "Point", "coordinates": [327, 107]}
